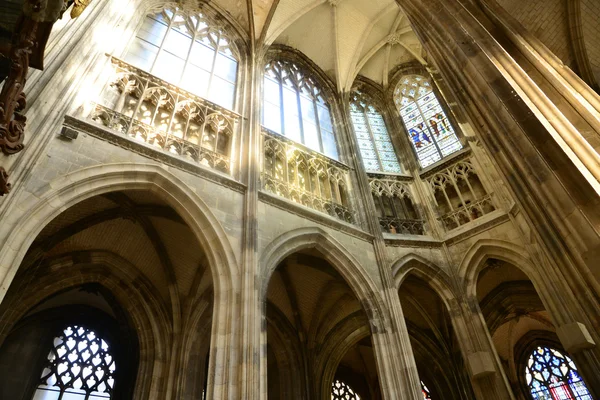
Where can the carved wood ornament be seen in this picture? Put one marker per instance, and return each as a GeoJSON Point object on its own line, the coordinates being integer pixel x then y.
{"type": "Point", "coordinates": [26, 49]}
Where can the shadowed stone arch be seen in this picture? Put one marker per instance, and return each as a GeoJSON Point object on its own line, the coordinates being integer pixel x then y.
{"type": "Point", "coordinates": [134, 292]}
{"type": "Point", "coordinates": [436, 277]}
{"type": "Point", "coordinates": [481, 251]}
{"type": "Point", "coordinates": [333, 252]}
{"type": "Point", "coordinates": [362, 286]}
{"type": "Point", "coordinates": [60, 194]}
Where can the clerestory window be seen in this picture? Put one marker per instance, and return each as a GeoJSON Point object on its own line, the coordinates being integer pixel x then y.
{"type": "Point", "coordinates": [294, 106]}
{"type": "Point", "coordinates": [78, 367]}
{"type": "Point", "coordinates": [430, 132]}
{"type": "Point", "coordinates": [552, 375]}
{"type": "Point", "coordinates": [374, 141]}
{"type": "Point", "coordinates": [187, 50]}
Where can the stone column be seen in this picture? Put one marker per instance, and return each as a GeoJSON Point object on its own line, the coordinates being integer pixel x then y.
{"type": "Point", "coordinates": [398, 376]}
{"type": "Point", "coordinates": [540, 148]}
{"type": "Point", "coordinates": [252, 383]}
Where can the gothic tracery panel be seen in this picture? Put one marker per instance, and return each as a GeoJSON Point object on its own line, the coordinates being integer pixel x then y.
{"type": "Point", "coordinates": [430, 132]}
{"type": "Point", "coordinates": [552, 375]}
{"type": "Point", "coordinates": [79, 366]}
{"type": "Point", "coordinates": [187, 49]}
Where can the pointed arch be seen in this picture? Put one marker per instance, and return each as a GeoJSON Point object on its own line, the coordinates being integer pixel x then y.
{"type": "Point", "coordinates": [68, 190]}
{"type": "Point", "coordinates": [428, 271]}
{"type": "Point", "coordinates": [133, 291]}
{"type": "Point", "coordinates": [474, 261]}
{"type": "Point", "coordinates": [333, 252]}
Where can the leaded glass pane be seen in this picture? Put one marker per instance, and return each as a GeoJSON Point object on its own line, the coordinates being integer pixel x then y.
{"type": "Point", "coordinates": [306, 117]}
{"type": "Point", "coordinates": [425, 390]}
{"type": "Point", "coordinates": [430, 132]}
{"type": "Point", "coordinates": [80, 366]}
{"type": "Point", "coordinates": [341, 391]}
{"type": "Point", "coordinates": [552, 375]}
{"type": "Point", "coordinates": [374, 142]}
{"type": "Point", "coordinates": [180, 47]}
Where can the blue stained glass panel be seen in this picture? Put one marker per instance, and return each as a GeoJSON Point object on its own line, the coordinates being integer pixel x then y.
{"type": "Point", "coordinates": [558, 379]}
{"type": "Point", "coordinates": [428, 127]}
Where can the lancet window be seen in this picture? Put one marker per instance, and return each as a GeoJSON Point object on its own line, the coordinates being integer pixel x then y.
{"type": "Point", "coordinates": [459, 195]}
{"type": "Point", "coordinates": [79, 366]}
{"type": "Point", "coordinates": [425, 391]}
{"type": "Point", "coordinates": [342, 391]}
{"type": "Point", "coordinates": [430, 132]}
{"type": "Point", "coordinates": [374, 141]}
{"type": "Point", "coordinates": [552, 375]}
{"type": "Point", "coordinates": [295, 106]}
{"type": "Point", "coordinates": [188, 50]}
{"type": "Point", "coordinates": [395, 208]}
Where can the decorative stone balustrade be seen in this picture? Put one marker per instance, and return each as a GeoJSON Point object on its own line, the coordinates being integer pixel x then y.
{"type": "Point", "coordinates": [459, 194]}
{"type": "Point", "coordinates": [146, 108]}
{"type": "Point", "coordinates": [304, 176]}
{"type": "Point", "coordinates": [395, 206]}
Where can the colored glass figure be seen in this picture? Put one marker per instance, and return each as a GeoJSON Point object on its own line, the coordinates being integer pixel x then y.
{"type": "Point", "coordinates": [79, 367]}
{"type": "Point", "coordinates": [425, 390]}
{"type": "Point", "coordinates": [552, 375]}
{"type": "Point", "coordinates": [431, 134]}
{"type": "Point", "coordinates": [374, 141]}
{"type": "Point", "coordinates": [294, 106]}
{"type": "Point", "coordinates": [187, 49]}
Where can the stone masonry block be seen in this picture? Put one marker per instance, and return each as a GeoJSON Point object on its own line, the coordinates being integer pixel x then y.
{"type": "Point", "coordinates": [575, 337]}
{"type": "Point", "coordinates": [481, 364]}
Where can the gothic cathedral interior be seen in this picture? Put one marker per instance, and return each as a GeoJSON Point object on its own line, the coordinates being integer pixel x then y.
{"type": "Point", "coordinates": [299, 200]}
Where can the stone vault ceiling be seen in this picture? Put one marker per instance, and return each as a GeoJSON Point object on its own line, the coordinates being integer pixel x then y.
{"type": "Point", "coordinates": [343, 37]}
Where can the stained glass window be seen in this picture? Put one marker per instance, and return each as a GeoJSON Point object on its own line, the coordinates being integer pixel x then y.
{"type": "Point", "coordinates": [184, 49]}
{"type": "Point", "coordinates": [79, 367]}
{"type": "Point", "coordinates": [426, 394]}
{"type": "Point", "coordinates": [294, 106]}
{"type": "Point", "coordinates": [428, 127]}
{"type": "Point", "coordinates": [341, 391]}
{"type": "Point", "coordinates": [374, 142]}
{"type": "Point", "coordinates": [552, 375]}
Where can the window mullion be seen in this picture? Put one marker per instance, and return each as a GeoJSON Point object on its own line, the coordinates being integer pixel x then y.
{"type": "Point", "coordinates": [162, 44]}
{"type": "Point", "coordinates": [300, 116]}
{"type": "Point", "coordinates": [212, 69]}
{"type": "Point", "coordinates": [282, 109]}
{"type": "Point", "coordinates": [187, 58]}
{"type": "Point", "coordinates": [319, 132]}
{"type": "Point", "coordinates": [372, 136]}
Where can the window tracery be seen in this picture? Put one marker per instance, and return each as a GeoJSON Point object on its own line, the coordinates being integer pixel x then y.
{"type": "Point", "coordinates": [79, 366]}
{"type": "Point", "coordinates": [459, 195]}
{"type": "Point", "coordinates": [425, 390]}
{"type": "Point", "coordinates": [188, 50]}
{"type": "Point", "coordinates": [430, 132]}
{"type": "Point", "coordinates": [294, 106]}
{"type": "Point", "coordinates": [395, 208]}
{"type": "Point", "coordinates": [552, 375]}
{"type": "Point", "coordinates": [341, 391]}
